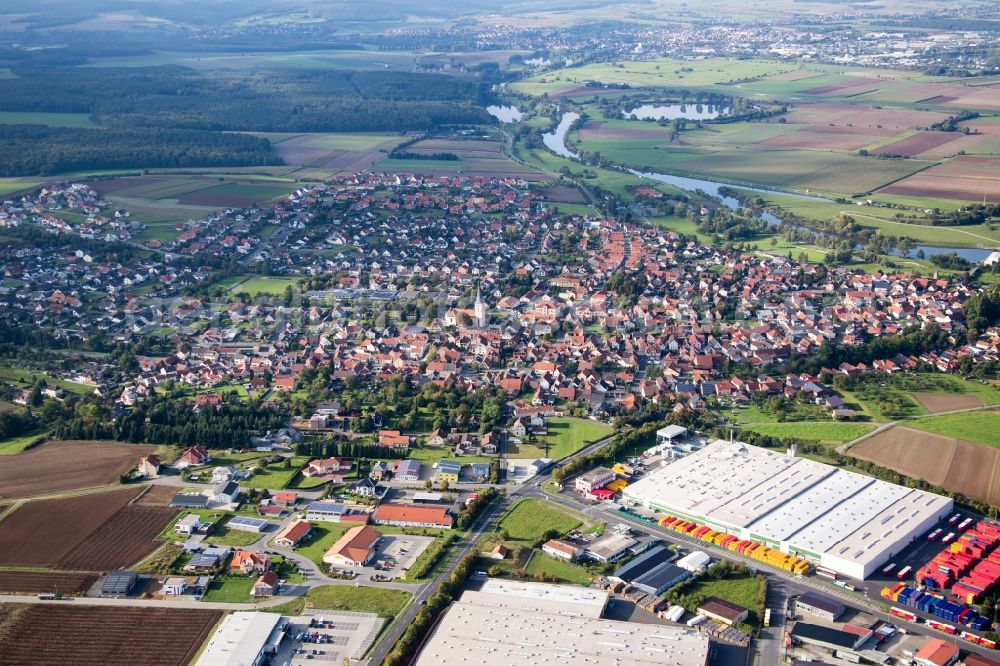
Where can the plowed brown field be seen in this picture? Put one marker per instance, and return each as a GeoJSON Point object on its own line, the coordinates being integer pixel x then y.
{"type": "Point", "coordinates": [953, 464]}
{"type": "Point", "coordinates": [31, 582]}
{"type": "Point", "coordinates": [59, 466]}
{"type": "Point", "coordinates": [101, 636]}
{"type": "Point", "coordinates": [41, 533]}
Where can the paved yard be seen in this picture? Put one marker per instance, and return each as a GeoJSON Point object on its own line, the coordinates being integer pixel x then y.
{"type": "Point", "coordinates": [334, 637]}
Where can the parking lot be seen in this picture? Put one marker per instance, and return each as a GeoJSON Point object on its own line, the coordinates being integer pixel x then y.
{"type": "Point", "coordinates": [395, 554]}
{"type": "Point", "coordinates": [327, 637]}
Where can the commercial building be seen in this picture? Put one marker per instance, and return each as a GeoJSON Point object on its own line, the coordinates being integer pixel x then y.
{"type": "Point", "coordinates": [834, 640]}
{"type": "Point", "coordinates": [610, 548]}
{"type": "Point", "coordinates": [529, 624]}
{"type": "Point", "coordinates": [413, 515]}
{"type": "Point", "coordinates": [644, 564]}
{"type": "Point", "coordinates": [294, 534]}
{"type": "Point", "coordinates": [844, 521]}
{"type": "Point", "coordinates": [355, 549]}
{"type": "Point", "coordinates": [820, 606]}
{"type": "Point", "coordinates": [118, 583]}
{"type": "Point", "coordinates": [670, 433]}
{"type": "Point", "coordinates": [661, 578]}
{"type": "Point", "coordinates": [245, 524]}
{"type": "Point", "coordinates": [593, 480]}
{"type": "Point", "coordinates": [244, 639]}
{"type": "Point", "coordinates": [723, 611]}
{"type": "Point", "coordinates": [937, 652]}
{"type": "Point", "coordinates": [563, 550]}
{"type": "Point", "coordinates": [448, 471]}
{"type": "Point", "coordinates": [695, 561]}
{"type": "Point", "coordinates": [408, 470]}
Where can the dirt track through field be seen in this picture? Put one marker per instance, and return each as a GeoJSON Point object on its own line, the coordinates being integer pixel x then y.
{"type": "Point", "coordinates": [953, 464]}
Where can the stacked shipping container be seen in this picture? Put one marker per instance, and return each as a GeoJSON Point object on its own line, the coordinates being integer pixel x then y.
{"type": "Point", "coordinates": [970, 565]}
{"type": "Point", "coordinates": [925, 601]}
{"type": "Point", "coordinates": [745, 547]}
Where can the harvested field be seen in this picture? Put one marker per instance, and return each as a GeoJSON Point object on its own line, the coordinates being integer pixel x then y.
{"type": "Point", "coordinates": [855, 86]}
{"type": "Point", "coordinates": [337, 153]}
{"type": "Point", "coordinates": [156, 496]}
{"type": "Point", "coordinates": [914, 145]}
{"type": "Point", "coordinates": [58, 466]}
{"type": "Point", "coordinates": [41, 533]}
{"type": "Point", "coordinates": [598, 131]}
{"type": "Point", "coordinates": [845, 142]}
{"type": "Point", "coordinates": [965, 178]}
{"type": "Point", "coordinates": [33, 582]}
{"type": "Point", "coordinates": [129, 536]}
{"type": "Point", "coordinates": [937, 99]}
{"type": "Point", "coordinates": [937, 402]}
{"type": "Point", "coordinates": [102, 635]}
{"type": "Point", "coordinates": [954, 464]}
{"type": "Point", "coordinates": [563, 195]}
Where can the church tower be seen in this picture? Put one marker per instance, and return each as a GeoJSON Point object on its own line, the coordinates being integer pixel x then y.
{"type": "Point", "coordinates": [482, 317]}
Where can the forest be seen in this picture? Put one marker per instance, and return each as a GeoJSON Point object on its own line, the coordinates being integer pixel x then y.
{"type": "Point", "coordinates": [29, 150]}
{"type": "Point", "coordinates": [173, 97]}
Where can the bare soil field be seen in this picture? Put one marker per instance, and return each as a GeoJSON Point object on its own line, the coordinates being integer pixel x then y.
{"type": "Point", "coordinates": [938, 402]}
{"type": "Point", "coordinates": [42, 533]}
{"type": "Point", "coordinates": [953, 464]}
{"type": "Point", "coordinates": [914, 145]}
{"type": "Point", "coordinates": [102, 635]}
{"type": "Point", "coordinates": [32, 582]}
{"type": "Point", "coordinates": [156, 496]}
{"type": "Point", "coordinates": [964, 178]}
{"type": "Point", "coordinates": [855, 118]}
{"type": "Point", "coordinates": [563, 195]}
{"type": "Point", "coordinates": [119, 184]}
{"type": "Point", "coordinates": [58, 466]}
{"type": "Point", "coordinates": [129, 536]}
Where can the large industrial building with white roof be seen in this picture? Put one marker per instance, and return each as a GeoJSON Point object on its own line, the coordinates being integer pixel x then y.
{"type": "Point", "coordinates": [529, 624]}
{"type": "Point", "coordinates": [841, 520]}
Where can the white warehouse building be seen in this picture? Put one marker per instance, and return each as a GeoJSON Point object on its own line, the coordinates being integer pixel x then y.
{"type": "Point", "coordinates": [840, 520]}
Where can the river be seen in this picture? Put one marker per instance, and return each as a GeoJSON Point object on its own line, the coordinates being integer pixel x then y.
{"type": "Point", "coordinates": [556, 142]}
{"type": "Point", "coordinates": [505, 114]}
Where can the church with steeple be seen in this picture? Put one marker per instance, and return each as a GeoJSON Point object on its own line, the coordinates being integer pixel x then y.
{"type": "Point", "coordinates": [480, 311]}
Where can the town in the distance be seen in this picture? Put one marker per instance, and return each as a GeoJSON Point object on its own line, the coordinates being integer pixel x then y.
{"type": "Point", "coordinates": [435, 334]}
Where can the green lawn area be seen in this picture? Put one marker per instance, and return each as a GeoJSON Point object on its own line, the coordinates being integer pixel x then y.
{"type": "Point", "coordinates": [565, 572]}
{"type": "Point", "coordinates": [566, 436]}
{"type": "Point", "coordinates": [276, 476]}
{"type": "Point", "coordinates": [531, 518]}
{"type": "Point", "coordinates": [230, 589]}
{"type": "Point", "coordinates": [383, 602]}
{"type": "Point", "coordinates": [938, 382]}
{"type": "Point", "coordinates": [13, 445]}
{"type": "Point", "coordinates": [819, 431]}
{"type": "Point", "coordinates": [224, 536]}
{"type": "Point", "coordinates": [982, 427]}
{"type": "Point", "coordinates": [429, 455]}
{"type": "Point", "coordinates": [26, 378]}
{"type": "Point", "coordinates": [740, 589]}
{"type": "Point", "coordinates": [265, 285]}
{"type": "Point", "coordinates": [324, 536]}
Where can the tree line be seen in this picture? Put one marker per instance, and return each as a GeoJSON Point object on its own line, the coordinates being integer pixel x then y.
{"type": "Point", "coordinates": [27, 150]}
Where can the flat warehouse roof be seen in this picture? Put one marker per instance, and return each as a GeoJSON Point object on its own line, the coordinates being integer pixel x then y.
{"type": "Point", "coordinates": [844, 519]}
{"type": "Point", "coordinates": [795, 515]}
{"type": "Point", "coordinates": [480, 629]}
{"type": "Point", "coordinates": [240, 638]}
{"type": "Point", "coordinates": [888, 527]}
{"type": "Point", "coordinates": [774, 492]}
{"type": "Point", "coordinates": [708, 479]}
{"type": "Point", "coordinates": [582, 601]}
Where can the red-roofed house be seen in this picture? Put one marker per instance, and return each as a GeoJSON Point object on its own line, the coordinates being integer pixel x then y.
{"type": "Point", "coordinates": [326, 466]}
{"type": "Point", "coordinates": [292, 535]}
{"type": "Point", "coordinates": [249, 562]}
{"type": "Point", "coordinates": [266, 585]}
{"type": "Point", "coordinates": [937, 652]}
{"type": "Point", "coordinates": [195, 455]}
